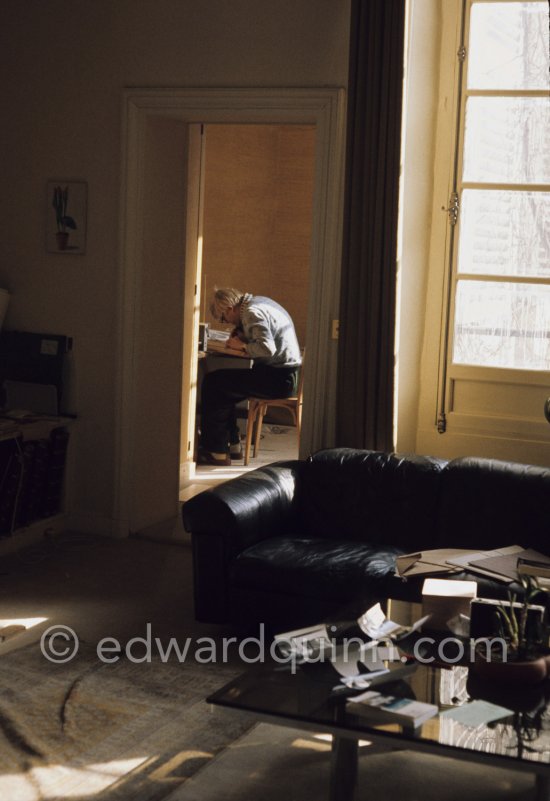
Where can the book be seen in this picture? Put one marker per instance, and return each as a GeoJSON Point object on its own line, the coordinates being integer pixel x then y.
{"type": "Point", "coordinates": [380, 708]}
{"type": "Point", "coordinates": [528, 567]}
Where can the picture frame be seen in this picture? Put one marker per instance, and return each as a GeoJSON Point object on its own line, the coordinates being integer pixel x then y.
{"type": "Point", "coordinates": [66, 210]}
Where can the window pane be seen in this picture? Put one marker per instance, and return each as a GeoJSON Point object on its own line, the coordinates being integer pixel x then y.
{"type": "Point", "coordinates": [508, 46]}
{"type": "Point", "coordinates": [502, 325]}
{"type": "Point", "coordinates": [507, 140]}
{"type": "Point", "coordinates": [505, 233]}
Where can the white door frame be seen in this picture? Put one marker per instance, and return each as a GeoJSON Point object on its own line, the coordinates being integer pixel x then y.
{"type": "Point", "coordinates": [322, 107]}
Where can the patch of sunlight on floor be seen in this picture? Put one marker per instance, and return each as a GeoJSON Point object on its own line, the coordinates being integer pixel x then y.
{"type": "Point", "coordinates": [10, 626]}
{"type": "Point", "coordinates": [313, 744]}
{"type": "Point", "coordinates": [328, 738]}
{"type": "Point", "coordinates": [64, 781]}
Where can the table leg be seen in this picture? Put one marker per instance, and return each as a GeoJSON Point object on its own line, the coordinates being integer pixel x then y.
{"type": "Point", "coordinates": [343, 768]}
{"type": "Point", "coordinates": [542, 785]}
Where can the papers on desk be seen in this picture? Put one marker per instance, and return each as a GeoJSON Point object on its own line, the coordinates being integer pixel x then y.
{"type": "Point", "coordinates": [217, 335]}
{"type": "Point", "coordinates": [219, 346]}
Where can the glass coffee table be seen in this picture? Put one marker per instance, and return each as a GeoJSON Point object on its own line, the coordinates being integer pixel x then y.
{"type": "Point", "coordinates": [304, 697]}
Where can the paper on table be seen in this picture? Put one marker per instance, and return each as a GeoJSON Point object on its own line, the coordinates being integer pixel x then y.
{"type": "Point", "coordinates": [507, 564]}
{"type": "Point", "coordinates": [303, 641]}
{"type": "Point", "coordinates": [347, 659]}
{"type": "Point", "coordinates": [466, 562]}
{"type": "Point", "coordinates": [431, 561]}
{"type": "Point", "coordinates": [475, 713]}
{"type": "Point", "coordinates": [375, 624]}
{"type": "Point", "coordinates": [362, 681]}
{"type": "Point", "coordinates": [406, 561]}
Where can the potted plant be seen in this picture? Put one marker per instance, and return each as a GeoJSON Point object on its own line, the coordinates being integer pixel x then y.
{"type": "Point", "coordinates": [60, 202]}
{"type": "Point", "coordinates": [526, 656]}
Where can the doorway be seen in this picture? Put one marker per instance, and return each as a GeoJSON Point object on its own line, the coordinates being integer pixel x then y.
{"type": "Point", "coordinates": [156, 130]}
{"type": "Point", "coordinates": [256, 186]}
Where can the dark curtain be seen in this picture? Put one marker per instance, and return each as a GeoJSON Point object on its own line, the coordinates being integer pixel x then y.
{"type": "Point", "coordinates": [365, 393]}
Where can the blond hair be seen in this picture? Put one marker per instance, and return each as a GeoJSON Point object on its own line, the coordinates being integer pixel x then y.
{"type": "Point", "coordinates": [224, 299]}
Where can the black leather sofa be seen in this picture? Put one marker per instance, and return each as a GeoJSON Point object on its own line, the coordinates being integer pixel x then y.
{"type": "Point", "coordinates": [292, 543]}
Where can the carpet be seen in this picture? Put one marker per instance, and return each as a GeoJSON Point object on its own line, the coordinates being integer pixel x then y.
{"type": "Point", "coordinates": [108, 731]}
{"type": "Point", "coordinates": [273, 762]}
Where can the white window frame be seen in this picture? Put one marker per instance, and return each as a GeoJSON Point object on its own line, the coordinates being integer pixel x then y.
{"type": "Point", "coordinates": [452, 373]}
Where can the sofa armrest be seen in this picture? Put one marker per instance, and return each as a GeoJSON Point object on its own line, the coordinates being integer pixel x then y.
{"type": "Point", "coordinates": [231, 517]}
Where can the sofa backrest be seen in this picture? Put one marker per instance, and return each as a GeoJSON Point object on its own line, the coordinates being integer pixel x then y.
{"type": "Point", "coordinates": [486, 503]}
{"type": "Point", "coordinates": [383, 498]}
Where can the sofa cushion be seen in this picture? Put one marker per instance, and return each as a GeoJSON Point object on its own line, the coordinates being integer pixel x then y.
{"type": "Point", "coordinates": [370, 496]}
{"type": "Point", "coordinates": [315, 567]}
{"type": "Point", "coordinates": [486, 503]}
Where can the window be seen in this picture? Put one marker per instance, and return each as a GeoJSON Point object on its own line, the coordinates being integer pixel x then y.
{"type": "Point", "coordinates": [502, 279]}
{"type": "Point", "coordinates": [498, 313]}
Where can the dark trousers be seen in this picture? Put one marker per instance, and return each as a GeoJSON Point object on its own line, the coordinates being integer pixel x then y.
{"type": "Point", "coordinates": [222, 389]}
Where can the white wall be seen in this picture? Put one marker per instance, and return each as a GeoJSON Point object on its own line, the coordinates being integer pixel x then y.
{"type": "Point", "coordinates": [64, 69]}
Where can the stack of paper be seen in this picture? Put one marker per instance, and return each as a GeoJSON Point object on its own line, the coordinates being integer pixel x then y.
{"type": "Point", "coordinates": [366, 653]}
{"type": "Point", "coordinates": [423, 563]}
{"type": "Point", "coordinates": [501, 564]}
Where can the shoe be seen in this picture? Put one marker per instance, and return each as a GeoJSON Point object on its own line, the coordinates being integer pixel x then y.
{"type": "Point", "coordinates": [236, 451]}
{"type": "Point", "coordinates": [205, 457]}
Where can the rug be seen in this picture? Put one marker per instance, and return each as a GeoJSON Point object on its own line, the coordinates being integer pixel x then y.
{"type": "Point", "coordinates": [108, 731]}
{"type": "Point", "coordinates": [275, 762]}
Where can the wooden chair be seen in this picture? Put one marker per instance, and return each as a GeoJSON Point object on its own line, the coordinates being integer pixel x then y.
{"type": "Point", "coordinates": [257, 407]}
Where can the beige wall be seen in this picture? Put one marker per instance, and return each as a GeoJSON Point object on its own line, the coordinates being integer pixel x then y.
{"type": "Point", "coordinates": [421, 90]}
{"type": "Point", "coordinates": [64, 71]}
{"type": "Point", "coordinates": [258, 213]}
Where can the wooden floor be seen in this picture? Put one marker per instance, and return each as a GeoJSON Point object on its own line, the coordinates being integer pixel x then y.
{"type": "Point", "coordinates": [278, 443]}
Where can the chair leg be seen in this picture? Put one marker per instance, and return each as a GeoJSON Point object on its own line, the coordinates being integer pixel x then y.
{"type": "Point", "coordinates": [252, 413]}
{"type": "Point", "coordinates": [298, 423]}
{"type": "Point", "coordinates": [262, 408]}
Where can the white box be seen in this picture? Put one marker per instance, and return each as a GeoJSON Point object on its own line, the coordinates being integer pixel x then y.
{"type": "Point", "coordinates": [444, 599]}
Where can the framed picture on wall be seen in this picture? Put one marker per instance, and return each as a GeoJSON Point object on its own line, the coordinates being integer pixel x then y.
{"type": "Point", "coordinates": [66, 203]}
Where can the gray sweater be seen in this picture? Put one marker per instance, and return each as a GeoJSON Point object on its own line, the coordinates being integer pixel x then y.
{"type": "Point", "coordinates": [269, 332]}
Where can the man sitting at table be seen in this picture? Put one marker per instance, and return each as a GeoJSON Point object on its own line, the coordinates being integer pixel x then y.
{"type": "Point", "coordinates": [263, 331]}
